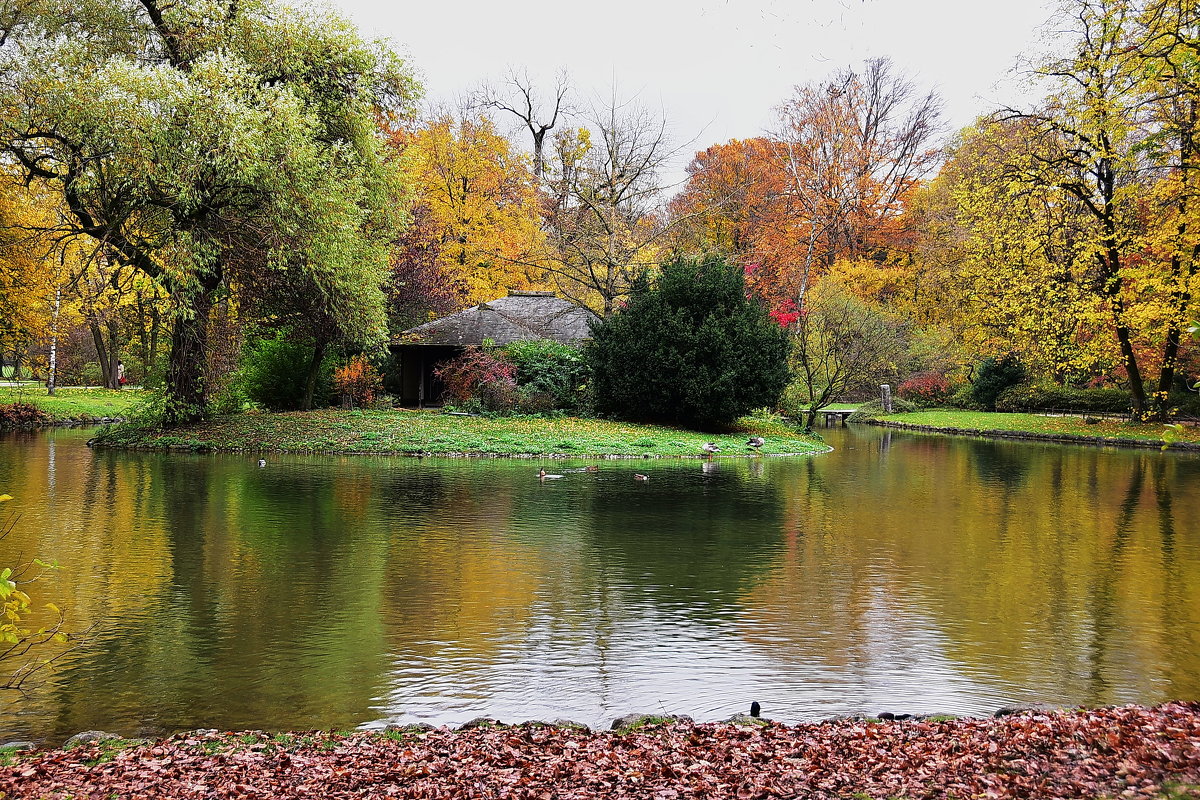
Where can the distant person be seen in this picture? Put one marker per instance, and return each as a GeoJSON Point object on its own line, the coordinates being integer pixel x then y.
{"type": "Point", "coordinates": [121, 373]}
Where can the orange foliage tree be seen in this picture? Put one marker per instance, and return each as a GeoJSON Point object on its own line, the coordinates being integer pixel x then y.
{"type": "Point", "coordinates": [358, 382]}
{"type": "Point", "coordinates": [830, 184]}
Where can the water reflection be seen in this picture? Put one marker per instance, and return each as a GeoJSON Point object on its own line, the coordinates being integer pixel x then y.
{"type": "Point", "coordinates": [903, 572]}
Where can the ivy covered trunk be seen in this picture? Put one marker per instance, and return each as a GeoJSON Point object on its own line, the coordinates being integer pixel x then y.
{"type": "Point", "coordinates": [187, 394]}
{"type": "Point", "coordinates": [314, 372]}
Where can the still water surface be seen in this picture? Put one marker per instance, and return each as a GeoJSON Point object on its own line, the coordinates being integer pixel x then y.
{"type": "Point", "coordinates": [902, 572]}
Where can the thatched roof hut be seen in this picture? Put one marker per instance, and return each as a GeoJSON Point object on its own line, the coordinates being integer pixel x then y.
{"type": "Point", "coordinates": [520, 316]}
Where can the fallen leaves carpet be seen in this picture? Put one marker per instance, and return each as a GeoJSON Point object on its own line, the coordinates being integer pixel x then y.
{"type": "Point", "coordinates": [1129, 751]}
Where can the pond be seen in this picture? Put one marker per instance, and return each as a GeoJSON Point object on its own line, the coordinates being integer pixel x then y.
{"type": "Point", "coordinates": [903, 572]}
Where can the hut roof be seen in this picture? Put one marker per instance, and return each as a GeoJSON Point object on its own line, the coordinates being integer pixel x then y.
{"type": "Point", "coordinates": [520, 316]}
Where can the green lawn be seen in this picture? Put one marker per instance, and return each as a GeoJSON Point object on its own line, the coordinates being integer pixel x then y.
{"type": "Point", "coordinates": [984, 421]}
{"type": "Point", "coordinates": [411, 432]}
{"type": "Point", "coordinates": [73, 403]}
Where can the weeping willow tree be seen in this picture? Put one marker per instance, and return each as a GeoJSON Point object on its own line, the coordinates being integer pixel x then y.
{"type": "Point", "coordinates": [215, 147]}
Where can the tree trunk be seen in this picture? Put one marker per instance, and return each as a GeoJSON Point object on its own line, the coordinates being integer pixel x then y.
{"type": "Point", "coordinates": [114, 356]}
{"type": "Point", "coordinates": [314, 372]}
{"type": "Point", "coordinates": [1182, 266]}
{"type": "Point", "coordinates": [155, 328]}
{"type": "Point", "coordinates": [146, 350]}
{"type": "Point", "coordinates": [52, 379]}
{"type": "Point", "coordinates": [187, 395]}
{"type": "Point", "coordinates": [101, 353]}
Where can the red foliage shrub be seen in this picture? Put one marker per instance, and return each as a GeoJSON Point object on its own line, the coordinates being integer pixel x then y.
{"type": "Point", "coordinates": [928, 388]}
{"type": "Point", "coordinates": [358, 381]}
{"type": "Point", "coordinates": [477, 373]}
{"type": "Point", "coordinates": [786, 314]}
{"type": "Point", "coordinates": [18, 415]}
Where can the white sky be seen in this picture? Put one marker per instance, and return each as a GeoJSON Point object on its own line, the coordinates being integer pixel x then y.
{"type": "Point", "coordinates": [716, 68]}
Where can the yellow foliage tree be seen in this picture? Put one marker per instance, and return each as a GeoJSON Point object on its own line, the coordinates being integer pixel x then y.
{"type": "Point", "coordinates": [27, 275]}
{"type": "Point", "coordinates": [1018, 277]}
{"type": "Point", "coordinates": [482, 203]}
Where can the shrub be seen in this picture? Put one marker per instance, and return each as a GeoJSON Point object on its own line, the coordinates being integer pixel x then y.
{"type": "Point", "coordinates": [19, 415]}
{"type": "Point", "coordinates": [91, 374]}
{"type": "Point", "coordinates": [926, 388]}
{"type": "Point", "coordinates": [275, 369]}
{"type": "Point", "coordinates": [479, 376]}
{"type": "Point", "coordinates": [994, 376]}
{"type": "Point", "coordinates": [549, 367]}
{"type": "Point", "coordinates": [358, 381]}
{"type": "Point", "coordinates": [874, 409]}
{"type": "Point", "coordinates": [536, 402]}
{"type": "Point", "coordinates": [963, 397]}
{"type": "Point", "coordinates": [1185, 404]}
{"type": "Point", "coordinates": [1041, 397]}
{"type": "Point", "coordinates": [231, 399]}
{"type": "Point", "coordinates": [148, 376]}
{"type": "Point", "coordinates": [498, 397]}
{"type": "Point", "coordinates": [691, 350]}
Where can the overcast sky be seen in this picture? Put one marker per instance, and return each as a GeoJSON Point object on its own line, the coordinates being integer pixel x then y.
{"type": "Point", "coordinates": [716, 68]}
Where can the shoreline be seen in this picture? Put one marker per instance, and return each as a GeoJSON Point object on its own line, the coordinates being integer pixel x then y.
{"type": "Point", "coordinates": [622, 724]}
{"type": "Point", "coordinates": [66, 422]}
{"type": "Point", "coordinates": [1059, 438]}
{"type": "Point", "coordinates": [1151, 752]}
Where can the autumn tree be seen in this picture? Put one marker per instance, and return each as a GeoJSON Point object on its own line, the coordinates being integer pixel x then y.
{"type": "Point", "coordinates": [416, 290]}
{"type": "Point", "coordinates": [1112, 140]}
{"type": "Point", "coordinates": [27, 276]}
{"type": "Point", "coordinates": [203, 145]}
{"type": "Point", "coordinates": [605, 197]}
{"type": "Point", "coordinates": [728, 201]}
{"type": "Point", "coordinates": [1015, 263]}
{"type": "Point", "coordinates": [538, 113]}
{"type": "Point", "coordinates": [841, 345]}
{"type": "Point", "coordinates": [1166, 43]}
{"type": "Point", "coordinates": [479, 201]}
{"type": "Point", "coordinates": [829, 183]}
{"type": "Point", "coordinates": [850, 150]}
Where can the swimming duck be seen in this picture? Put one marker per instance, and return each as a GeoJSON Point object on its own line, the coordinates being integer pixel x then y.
{"type": "Point", "coordinates": [545, 476]}
{"type": "Point", "coordinates": [637, 476]}
{"type": "Point", "coordinates": [262, 462]}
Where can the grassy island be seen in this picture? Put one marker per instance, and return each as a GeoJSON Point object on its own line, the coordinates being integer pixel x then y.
{"type": "Point", "coordinates": [1040, 426]}
{"type": "Point", "coordinates": [412, 432]}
